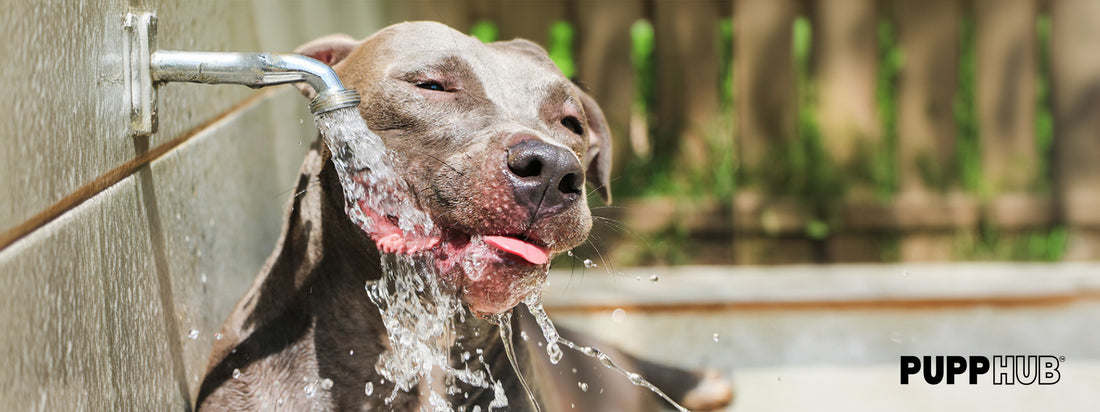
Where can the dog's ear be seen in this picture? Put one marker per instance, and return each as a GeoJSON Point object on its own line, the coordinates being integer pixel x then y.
{"type": "Point", "coordinates": [597, 161]}
{"type": "Point", "coordinates": [329, 50]}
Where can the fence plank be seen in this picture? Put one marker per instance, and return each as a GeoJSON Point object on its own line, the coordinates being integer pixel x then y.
{"type": "Point", "coordinates": [1075, 68]}
{"type": "Point", "coordinates": [763, 78]}
{"type": "Point", "coordinates": [928, 32]}
{"type": "Point", "coordinates": [1006, 67]}
{"type": "Point", "coordinates": [846, 63]}
{"type": "Point", "coordinates": [686, 92]}
{"type": "Point", "coordinates": [604, 67]}
{"type": "Point", "coordinates": [765, 106]}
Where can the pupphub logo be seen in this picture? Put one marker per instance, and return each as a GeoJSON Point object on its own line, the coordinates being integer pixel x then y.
{"type": "Point", "coordinates": [1005, 370]}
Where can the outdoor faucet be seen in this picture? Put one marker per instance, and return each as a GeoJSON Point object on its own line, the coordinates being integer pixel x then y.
{"type": "Point", "coordinates": [148, 69]}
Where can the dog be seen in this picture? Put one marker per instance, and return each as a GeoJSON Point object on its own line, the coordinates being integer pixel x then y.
{"type": "Point", "coordinates": [494, 142]}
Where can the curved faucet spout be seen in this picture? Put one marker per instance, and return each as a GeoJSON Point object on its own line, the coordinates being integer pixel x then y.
{"type": "Point", "coordinates": [254, 70]}
{"type": "Point", "coordinates": [149, 68]}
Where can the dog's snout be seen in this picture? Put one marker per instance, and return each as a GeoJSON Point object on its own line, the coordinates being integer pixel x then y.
{"type": "Point", "coordinates": [547, 178]}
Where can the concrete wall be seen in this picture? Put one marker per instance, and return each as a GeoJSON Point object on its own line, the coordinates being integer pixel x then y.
{"type": "Point", "coordinates": [118, 265]}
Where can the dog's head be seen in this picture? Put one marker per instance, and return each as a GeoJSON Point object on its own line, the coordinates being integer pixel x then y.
{"type": "Point", "coordinates": [494, 142]}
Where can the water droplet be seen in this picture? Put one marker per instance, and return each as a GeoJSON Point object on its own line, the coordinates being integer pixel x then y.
{"type": "Point", "coordinates": [218, 336]}
{"type": "Point", "coordinates": [326, 384]}
{"type": "Point", "coordinates": [466, 356]}
{"type": "Point", "coordinates": [477, 408]}
{"type": "Point", "coordinates": [193, 334]}
{"type": "Point", "coordinates": [583, 386]}
{"type": "Point", "coordinates": [654, 278]}
{"type": "Point", "coordinates": [203, 278]}
{"type": "Point", "coordinates": [588, 263]}
{"type": "Point", "coordinates": [618, 315]}
{"type": "Point", "coordinates": [351, 352]}
{"type": "Point", "coordinates": [480, 351]}
{"type": "Point", "coordinates": [896, 337]}
{"type": "Point", "coordinates": [280, 401]}
{"type": "Point", "coordinates": [716, 336]}
{"type": "Point", "coordinates": [310, 389]}
{"type": "Point", "coordinates": [574, 371]}
{"type": "Point", "coordinates": [236, 373]}
{"type": "Point", "coordinates": [554, 351]}
{"type": "Point", "coordinates": [368, 388]}
{"type": "Point", "coordinates": [570, 253]}
{"type": "Point", "coordinates": [523, 334]}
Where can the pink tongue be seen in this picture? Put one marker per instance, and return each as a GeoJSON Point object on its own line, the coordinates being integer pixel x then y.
{"type": "Point", "coordinates": [527, 251]}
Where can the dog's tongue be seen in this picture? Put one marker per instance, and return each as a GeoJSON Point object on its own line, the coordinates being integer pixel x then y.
{"type": "Point", "coordinates": [531, 253]}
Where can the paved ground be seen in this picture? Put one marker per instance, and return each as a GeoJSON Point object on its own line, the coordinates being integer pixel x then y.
{"type": "Point", "coordinates": [830, 337]}
{"type": "Point", "coordinates": [876, 388]}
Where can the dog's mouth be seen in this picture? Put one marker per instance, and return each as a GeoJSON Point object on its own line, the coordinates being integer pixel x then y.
{"type": "Point", "coordinates": [492, 273]}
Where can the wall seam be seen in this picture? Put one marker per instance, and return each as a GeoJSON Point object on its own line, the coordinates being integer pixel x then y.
{"type": "Point", "coordinates": [116, 175]}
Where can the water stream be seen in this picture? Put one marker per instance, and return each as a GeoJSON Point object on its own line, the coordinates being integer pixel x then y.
{"type": "Point", "coordinates": [417, 309]}
{"type": "Point", "coordinates": [534, 304]}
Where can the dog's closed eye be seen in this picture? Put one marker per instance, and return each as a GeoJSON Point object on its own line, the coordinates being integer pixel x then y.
{"type": "Point", "coordinates": [573, 124]}
{"type": "Point", "coordinates": [431, 85]}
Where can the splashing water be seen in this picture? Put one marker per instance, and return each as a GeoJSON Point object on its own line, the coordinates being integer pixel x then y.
{"type": "Point", "coordinates": [504, 323]}
{"type": "Point", "coordinates": [417, 310]}
{"type": "Point", "coordinates": [376, 195]}
{"type": "Point", "coordinates": [534, 304]}
{"type": "Point", "coordinates": [418, 313]}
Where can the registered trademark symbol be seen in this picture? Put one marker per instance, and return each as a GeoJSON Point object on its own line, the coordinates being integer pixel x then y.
{"type": "Point", "coordinates": [1062, 358]}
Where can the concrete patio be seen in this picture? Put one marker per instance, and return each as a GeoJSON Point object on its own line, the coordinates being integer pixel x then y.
{"type": "Point", "coordinates": [830, 337]}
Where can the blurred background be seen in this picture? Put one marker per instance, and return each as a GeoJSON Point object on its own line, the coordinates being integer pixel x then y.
{"type": "Point", "coordinates": [804, 190]}
{"type": "Point", "coordinates": [788, 131]}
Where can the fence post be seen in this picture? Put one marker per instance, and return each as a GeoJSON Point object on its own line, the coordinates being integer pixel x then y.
{"type": "Point", "coordinates": [604, 66]}
{"type": "Point", "coordinates": [1075, 69]}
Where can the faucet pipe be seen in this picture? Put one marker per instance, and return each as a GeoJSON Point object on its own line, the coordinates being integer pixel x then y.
{"type": "Point", "coordinates": [255, 70]}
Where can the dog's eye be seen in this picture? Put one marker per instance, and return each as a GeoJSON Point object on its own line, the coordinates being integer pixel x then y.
{"type": "Point", "coordinates": [431, 85]}
{"type": "Point", "coordinates": [573, 124]}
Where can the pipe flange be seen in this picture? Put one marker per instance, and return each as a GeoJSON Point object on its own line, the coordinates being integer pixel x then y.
{"type": "Point", "coordinates": [331, 100]}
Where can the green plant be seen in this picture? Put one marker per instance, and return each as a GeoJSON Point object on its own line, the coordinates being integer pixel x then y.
{"type": "Point", "coordinates": [485, 30]}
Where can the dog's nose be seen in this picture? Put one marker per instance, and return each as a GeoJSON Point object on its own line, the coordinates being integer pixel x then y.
{"type": "Point", "coordinates": [546, 178]}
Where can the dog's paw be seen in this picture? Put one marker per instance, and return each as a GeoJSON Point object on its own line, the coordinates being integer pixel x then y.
{"type": "Point", "coordinates": [713, 392]}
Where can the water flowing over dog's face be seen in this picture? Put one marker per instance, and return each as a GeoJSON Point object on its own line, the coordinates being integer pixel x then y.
{"type": "Point", "coordinates": [494, 142]}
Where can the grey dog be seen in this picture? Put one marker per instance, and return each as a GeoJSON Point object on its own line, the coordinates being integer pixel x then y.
{"type": "Point", "coordinates": [493, 141]}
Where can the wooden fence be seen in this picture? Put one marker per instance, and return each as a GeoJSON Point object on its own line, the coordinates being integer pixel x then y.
{"type": "Point", "coordinates": [905, 129]}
